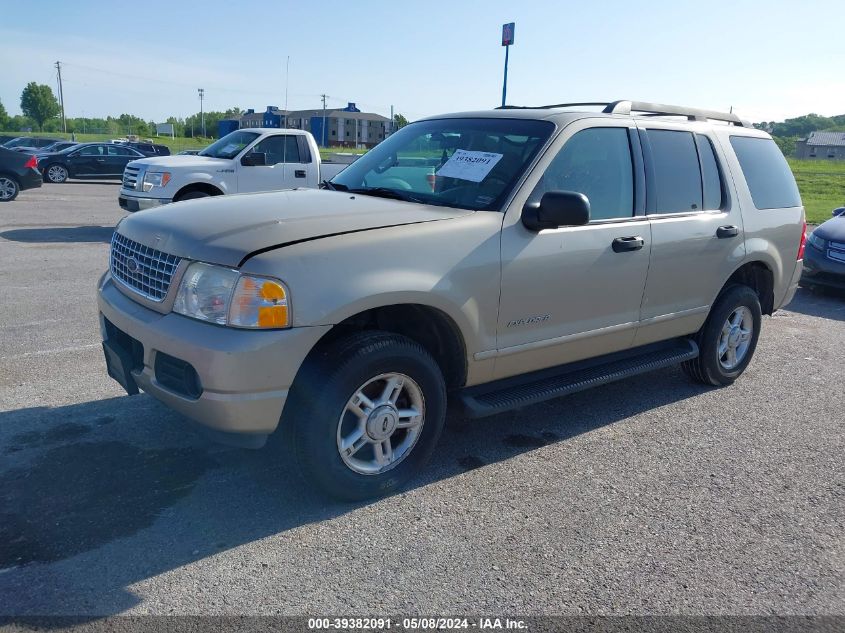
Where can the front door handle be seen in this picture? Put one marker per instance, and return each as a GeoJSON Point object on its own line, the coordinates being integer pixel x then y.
{"type": "Point", "coordinates": [727, 231]}
{"type": "Point", "coordinates": [299, 173]}
{"type": "Point", "coordinates": [623, 244]}
{"type": "Point", "coordinates": [101, 160]}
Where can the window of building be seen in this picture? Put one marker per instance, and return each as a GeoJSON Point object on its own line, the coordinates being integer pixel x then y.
{"type": "Point", "coordinates": [710, 175]}
{"type": "Point", "coordinates": [675, 182]}
{"type": "Point", "coordinates": [597, 163]}
{"type": "Point", "coordinates": [767, 173]}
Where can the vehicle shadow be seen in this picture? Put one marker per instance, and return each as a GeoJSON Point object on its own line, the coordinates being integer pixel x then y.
{"type": "Point", "coordinates": [826, 303]}
{"type": "Point", "coordinates": [85, 182]}
{"type": "Point", "coordinates": [98, 496]}
{"type": "Point", "coordinates": [73, 234]}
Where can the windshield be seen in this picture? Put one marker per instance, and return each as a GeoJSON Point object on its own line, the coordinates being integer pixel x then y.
{"type": "Point", "coordinates": [466, 163]}
{"type": "Point", "coordinates": [230, 145]}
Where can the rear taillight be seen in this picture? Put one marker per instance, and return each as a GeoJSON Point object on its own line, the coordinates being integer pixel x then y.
{"type": "Point", "coordinates": [803, 241]}
{"type": "Point", "coordinates": [32, 163]}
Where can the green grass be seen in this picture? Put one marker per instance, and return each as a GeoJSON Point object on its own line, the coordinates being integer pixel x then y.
{"type": "Point", "coordinates": [822, 186]}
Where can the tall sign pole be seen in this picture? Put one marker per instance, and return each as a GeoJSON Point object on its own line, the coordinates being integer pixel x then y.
{"type": "Point", "coordinates": [507, 39]}
{"type": "Point", "coordinates": [201, 92]}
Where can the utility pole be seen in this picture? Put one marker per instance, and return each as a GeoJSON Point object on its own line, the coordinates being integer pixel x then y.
{"type": "Point", "coordinates": [201, 92]}
{"type": "Point", "coordinates": [324, 120]}
{"type": "Point", "coordinates": [507, 40]}
{"type": "Point", "coordinates": [61, 96]}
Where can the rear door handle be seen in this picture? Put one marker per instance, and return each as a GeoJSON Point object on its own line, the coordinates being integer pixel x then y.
{"type": "Point", "coordinates": [101, 160]}
{"type": "Point", "coordinates": [623, 244]}
{"type": "Point", "coordinates": [299, 173]}
{"type": "Point", "coordinates": [727, 231]}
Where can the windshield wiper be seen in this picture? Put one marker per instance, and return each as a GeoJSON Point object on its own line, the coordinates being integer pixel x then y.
{"type": "Point", "coordinates": [327, 184]}
{"type": "Point", "coordinates": [384, 192]}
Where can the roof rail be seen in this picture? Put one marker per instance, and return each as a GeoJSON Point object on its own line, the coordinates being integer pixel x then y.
{"type": "Point", "coordinates": [659, 109]}
{"type": "Point", "coordinates": [649, 109]}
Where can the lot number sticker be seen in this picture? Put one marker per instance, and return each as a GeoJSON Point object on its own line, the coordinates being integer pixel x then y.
{"type": "Point", "coordinates": [466, 165]}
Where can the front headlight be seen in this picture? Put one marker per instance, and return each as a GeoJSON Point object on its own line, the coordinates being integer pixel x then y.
{"type": "Point", "coordinates": [816, 241]}
{"type": "Point", "coordinates": [225, 297]}
{"type": "Point", "coordinates": [156, 179]}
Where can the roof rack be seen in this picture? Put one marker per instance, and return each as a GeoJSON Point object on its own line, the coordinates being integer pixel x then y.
{"type": "Point", "coordinates": [649, 109]}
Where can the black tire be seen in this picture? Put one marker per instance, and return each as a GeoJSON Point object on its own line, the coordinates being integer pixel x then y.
{"type": "Point", "coordinates": [317, 411]}
{"type": "Point", "coordinates": [709, 368]}
{"type": "Point", "coordinates": [193, 195]}
{"type": "Point", "coordinates": [59, 175]}
{"type": "Point", "coordinates": [9, 188]}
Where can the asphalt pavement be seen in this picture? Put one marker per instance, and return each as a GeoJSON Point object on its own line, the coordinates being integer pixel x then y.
{"type": "Point", "coordinates": [649, 496]}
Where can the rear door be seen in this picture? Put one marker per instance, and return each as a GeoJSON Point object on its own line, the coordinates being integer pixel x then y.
{"type": "Point", "coordinates": [696, 228]}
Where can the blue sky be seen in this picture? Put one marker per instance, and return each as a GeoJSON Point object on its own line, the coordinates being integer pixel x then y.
{"type": "Point", "coordinates": [768, 59]}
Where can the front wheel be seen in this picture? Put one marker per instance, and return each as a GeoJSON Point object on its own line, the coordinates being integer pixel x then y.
{"type": "Point", "coordinates": [728, 339]}
{"type": "Point", "coordinates": [367, 412]}
{"type": "Point", "coordinates": [56, 174]}
{"type": "Point", "coordinates": [9, 188]}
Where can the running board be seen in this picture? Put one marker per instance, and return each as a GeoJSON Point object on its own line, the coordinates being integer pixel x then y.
{"type": "Point", "coordinates": [521, 391]}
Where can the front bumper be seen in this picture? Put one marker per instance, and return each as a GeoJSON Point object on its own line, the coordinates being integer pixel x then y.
{"type": "Point", "coordinates": [244, 375]}
{"type": "Point", "coordinates": [819, 269]}
{"type": "Point", "coordinates": [132, 203]}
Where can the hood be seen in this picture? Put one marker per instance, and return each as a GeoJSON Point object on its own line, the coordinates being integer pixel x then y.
{"type": "Point", "coordinates": [832, 230]}
{"type": "Point", "coordinates": [226, 229]}
{"type": "Point", "coordinates": [183, 161]}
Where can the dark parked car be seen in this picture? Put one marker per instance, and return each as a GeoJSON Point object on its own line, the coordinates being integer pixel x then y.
{"type": "Point", "coordinates": [29, 143]}
{"type": "Point", "coordinates": [149, 149]}
{"type": "Point", "coordinates": [17, 172]}
{"type": "Point", "coordinates": [824, 257]}
{"type": "Point", "coordinates": [56, 147]}
{"type": "Point", "coordinates": [87, 161]}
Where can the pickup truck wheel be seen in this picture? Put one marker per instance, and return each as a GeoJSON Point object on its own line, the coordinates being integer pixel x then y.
{"type": "Point", "coordinates": [192, 195]}
{"type": "Point", "coordinates": [367, 413]}
{"type": "Point", "coordinates": [56, 174]}
{"type": "Point", "coordinates": [9, 189]}
{"type": "Point", "coordinates": [728, 339]}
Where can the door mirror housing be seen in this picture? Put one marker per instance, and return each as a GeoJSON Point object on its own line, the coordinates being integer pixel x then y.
{"type": "Point", "coordinates": [254, 159]}
{"type": "Point", "coordinates": [556, 209]}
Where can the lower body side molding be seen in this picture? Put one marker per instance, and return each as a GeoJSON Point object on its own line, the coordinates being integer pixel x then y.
{"type": "Point", "coordinates": [520, 391]}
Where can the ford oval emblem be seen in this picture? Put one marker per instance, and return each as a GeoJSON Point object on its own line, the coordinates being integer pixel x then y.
{"type": "Point", "coordinates": [132, 265]}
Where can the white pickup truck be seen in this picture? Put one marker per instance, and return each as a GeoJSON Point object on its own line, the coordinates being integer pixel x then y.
{"type": "Point", "coordinates": [244, 161]}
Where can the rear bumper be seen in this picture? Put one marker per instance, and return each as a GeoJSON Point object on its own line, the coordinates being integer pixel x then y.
{"type": "Point", "coordinates": [31, 179]}
{"type": "Point", "coordinates": [131, 203]}
{"type": "Point", "coordinates": [244, 375]}
{"type": "Point", "coordinates": [820, 270]}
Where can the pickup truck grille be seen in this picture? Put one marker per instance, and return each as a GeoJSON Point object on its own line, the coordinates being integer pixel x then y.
{"type": "Point", "coordinates": [141, 268]}
{"type": "Point", "coordinates": [131, 176]}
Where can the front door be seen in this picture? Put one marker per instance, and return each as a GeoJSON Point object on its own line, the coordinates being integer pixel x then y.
{"type": "Point", "coordinates": [696, 229]}
{"type": "Point", "coordinates": [280, 171]}
{"type": "Point", "coordinates": [575, 292]}
{"type": "Point", "coordinates": [87, 161]}
{"type": "Point", "coordinates": [116, 159]}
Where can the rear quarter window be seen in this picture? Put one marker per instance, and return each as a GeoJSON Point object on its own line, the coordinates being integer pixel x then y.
{"type": "Point", "coordinates": [767, 173]}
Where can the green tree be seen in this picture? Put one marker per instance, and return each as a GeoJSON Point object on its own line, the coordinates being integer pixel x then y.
{"type": "Point", "coordinates": [399, 121]}
{"type": "Point", "coordinates": [39, 103]}
{"type": "Point", "coordinates": [4, 117]}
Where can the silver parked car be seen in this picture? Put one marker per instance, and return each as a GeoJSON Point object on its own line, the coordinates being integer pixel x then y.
{"type": "Point", "coordinates": [501, 257]}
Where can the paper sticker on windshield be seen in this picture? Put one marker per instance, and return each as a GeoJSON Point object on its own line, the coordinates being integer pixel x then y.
{"type": "Point", "coordinates": [466, 165]}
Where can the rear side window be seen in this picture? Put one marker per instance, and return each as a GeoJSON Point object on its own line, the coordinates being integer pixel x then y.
{"type": "Point", "coordinates": [767, 173]}
{"type": "Point", "coordinates": [676, 181]}
{"type": "Point", "coordinates": [709, 174]}
{"type": "Point", "coordinates": [597, 163]}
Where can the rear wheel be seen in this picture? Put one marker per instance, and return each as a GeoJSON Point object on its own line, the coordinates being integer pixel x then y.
{"type": "Point", "coordinates": [9, 188]}
{"type": "Point", "coordinates": [56, 174]}
{"type": "Point", "coordinates": [367, 412]}
{"type": "Point", "coordinates": [728, 339]}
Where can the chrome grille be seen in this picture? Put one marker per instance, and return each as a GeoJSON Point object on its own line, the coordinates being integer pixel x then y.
{"type": "Point", "coordinates": [143, 269]}
{"type": "Point", "coordinates": [131, 176]}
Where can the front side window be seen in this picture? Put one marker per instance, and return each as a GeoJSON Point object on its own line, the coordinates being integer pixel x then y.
{"type": "Point", "coordinates": [767, 173]}
{"type": "Point", "coordinates": [279, 149]}
{"type": "Point", "coordinates": [597, 163]}
{"type": "Point", "coordinates": [675, 182]}
{"type": "Point", "coordinates": [464, 163]}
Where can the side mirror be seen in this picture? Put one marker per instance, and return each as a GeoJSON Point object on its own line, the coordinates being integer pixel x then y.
{"type": "Point", "coordinates": [254, 159]}
{"type": "Point", "coordinates": [556, 209]}
{"type": "Point", "coordinates": [839, 211]}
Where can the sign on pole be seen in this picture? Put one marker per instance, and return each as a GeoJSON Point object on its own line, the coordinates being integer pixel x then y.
{"type": "Point", "coordinates": [507, 33]}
